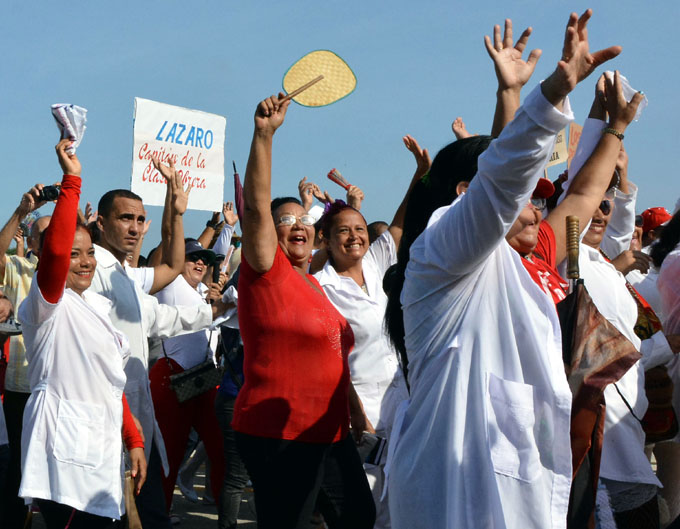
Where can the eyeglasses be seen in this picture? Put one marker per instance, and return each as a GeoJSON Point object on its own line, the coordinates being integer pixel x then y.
{"type": "Point", "coordinates": [539, 203]}
{"type": "Point", "coordinates": [289, 220]}
{"type": "Point", "coordinates": [195, 257]}
{"type": "Point", "coordinates": [606, 207]}
{"type": "Point", "coordinates": [639, 221]}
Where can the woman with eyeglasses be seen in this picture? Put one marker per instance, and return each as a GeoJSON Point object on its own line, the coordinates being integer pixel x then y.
{"type": "Point", "coordinates": [484, 439]}
{"type": "Point", "coordinates": [291, 416]}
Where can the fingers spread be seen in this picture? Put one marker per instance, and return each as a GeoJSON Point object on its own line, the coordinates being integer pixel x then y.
{"type": "Point", "coordinates": [523, 39]}
{"type": "Point", "coordinates": [507, 37]}
{"type": "Point", "coordinates": [605, 55]}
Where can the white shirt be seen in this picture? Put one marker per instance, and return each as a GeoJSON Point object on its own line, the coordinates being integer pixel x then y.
{"type": "Point", "coordinates": [71, 443]}
{"type": "Point", "coordinates": [373, 364]}
{"type": "Point", "coordinates": [143, 276]}
{"type": "Point", "coordinates": [188, 350]}
{"type": "Point", "coordinates": [645, 284]}
{"type": "Point", "coordinates": [484, 440]}
{"type": "Point", "coordinates": [223, 242]}
{"type": "Point", "coordinates": [140, 316]}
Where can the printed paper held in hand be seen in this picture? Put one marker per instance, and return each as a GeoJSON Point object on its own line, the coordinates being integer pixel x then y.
{"type": "Point", "coordinates": [71, 121]}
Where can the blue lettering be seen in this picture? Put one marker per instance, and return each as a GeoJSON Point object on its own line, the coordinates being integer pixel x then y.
{"type": "Point", "coordinates": [199, 137]}
{"type": "Point", "coordinates": [190, 137]}
{"type": "Point", "coordinates": [182, 128]}
{"type": "Point", "coordinates": [205, 139]}
{"type": "Point", "coordinates": [171, 135]}
{"type": "Point", "coordinates": [158, 136]}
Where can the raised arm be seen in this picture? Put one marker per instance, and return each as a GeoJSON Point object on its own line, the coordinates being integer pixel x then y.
{"type": "Point", "coordinates": [511, 71]}
{"type": "Point", "coordinates": [423, 163]}
{"type": "Point", "coordinates": [259, 232]}
{"type": "Point", "coordinates": [172, 246]}
{"type": "Point", "coordinates": [30, 201]}
{"type": "Point", "coordinates": [55, 255]}
{"type": "Point", "coordinates": [590, 183]}
{"type": "Point", "coordinates": [230, 219]}
{"type": "Point", "coordinates": [508, 170]}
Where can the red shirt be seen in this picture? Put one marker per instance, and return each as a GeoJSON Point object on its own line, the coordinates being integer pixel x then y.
{"type": "Point", "coordinates": [541, 267]}
{"type": "Point", "coordinates": [295, 346]}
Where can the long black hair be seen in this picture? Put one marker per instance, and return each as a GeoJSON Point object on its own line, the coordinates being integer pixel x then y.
{"type": "Point", "coordinates": [455, 163]}
{"type": "Point", "coordinates": [670, 238]}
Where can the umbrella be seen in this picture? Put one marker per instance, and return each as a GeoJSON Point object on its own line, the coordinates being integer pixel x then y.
{"type": "Point", "coordinates": [595, 355]}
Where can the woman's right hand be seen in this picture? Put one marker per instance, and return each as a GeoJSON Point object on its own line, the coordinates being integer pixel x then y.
{"type": "Point", "coordinates": [270, 114]}
{"type": "Point", "coordinates": [69, 162]}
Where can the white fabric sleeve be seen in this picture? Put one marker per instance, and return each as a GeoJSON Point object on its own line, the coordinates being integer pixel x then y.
{"type": "Point", "coordinates": [223, 242]}
{"type": "Point", "coordinates": [169, 321]}
{"type": "Point", "coordinates": [655, 351]}
{"type": "Point", "coordinates": [461, 238]}
{"type": "Point", "coordinates": [143, 276]}
{"type": "Point", "coordinates": [621, 225]}
{"type": "Point", "coordinates": [384, 251]}
{"type": "Point", "coordinates": [590, 137]}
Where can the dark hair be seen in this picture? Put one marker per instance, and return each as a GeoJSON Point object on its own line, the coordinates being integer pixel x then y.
{"type": "Point", "coordinates": [667, 242]}
{"type": "Point", "coordinates": [106, 202]}
{"type": "Point", "coordinates": [326, 221]}
{"type": "Point", "coordinates": [373, 229]}
{"type": "Point", "coordinates": [280, 201]}
{"type": "Point", "coordinates": [455, 163]}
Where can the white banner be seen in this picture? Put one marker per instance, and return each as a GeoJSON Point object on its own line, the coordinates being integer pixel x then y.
{"type": "Point", "coordinates": [194, 140]}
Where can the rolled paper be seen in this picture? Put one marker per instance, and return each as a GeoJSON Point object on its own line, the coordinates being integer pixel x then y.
{"type": "Point", "coordinates": [336, 177]}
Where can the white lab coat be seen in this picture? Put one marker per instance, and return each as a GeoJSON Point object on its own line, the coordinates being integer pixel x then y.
{"type": "Point", "coordinates": [140, 316]}
{"type": "Point", "coordinates": [71, 444]}
{"type": "Point", "coordinates": [483, 442]}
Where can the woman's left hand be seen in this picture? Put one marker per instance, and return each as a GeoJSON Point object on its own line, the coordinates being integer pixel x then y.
{"type": "Point", "coordinates": [138, 468]}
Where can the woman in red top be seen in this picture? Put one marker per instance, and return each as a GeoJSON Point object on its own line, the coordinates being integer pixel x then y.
{"type": "Point", "coordinates": [292, 415]}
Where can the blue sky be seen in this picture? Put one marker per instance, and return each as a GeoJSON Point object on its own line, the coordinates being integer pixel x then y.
{"type": "Point", "coordinates": [418, 66]}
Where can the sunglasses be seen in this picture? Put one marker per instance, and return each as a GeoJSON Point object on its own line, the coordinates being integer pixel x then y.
{"type": "Point", "coordinates": [195, 257]}
{"type": "Point", "coordinates": [289, 220]}
{"type": "Point", "coordinates": [639, 221]}
{"type": "Point", "coordinates": [539, 203]}
{"type": "Point", "coordinates": [606, 207]}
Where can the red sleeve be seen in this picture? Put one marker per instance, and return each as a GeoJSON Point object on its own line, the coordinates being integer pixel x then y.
{"type": "Point", "coordinates": [55, 256]}
{"type": "Point", "coordinates": [131, 436]}
{"type": "Point", "coordinates": [546, 248]}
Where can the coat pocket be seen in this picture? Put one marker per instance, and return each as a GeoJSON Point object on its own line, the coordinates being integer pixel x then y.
{"type": "Point", "coordinates": [511, 418]}
{"type": "Point", "coordinates": [79, 438]}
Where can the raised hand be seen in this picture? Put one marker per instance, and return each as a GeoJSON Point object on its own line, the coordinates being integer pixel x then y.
{"type": "Point", "coordinates": [577, 62]}
{"type": "Point", "coordinates": [511, 71]}
{"type": "Point", "coordinates": [69, 161]}
{"type": "Point", "coordinates": [422, 157]}
{"type": "Point", "coordinates": [270, 114]}
{"type": "Point", "coordinates": [355, 197]}
{"type": "Point", "coordinates": [620, 111]}
{"type": "Point", "coordinates": [229, 213]}
{"type": "Point", "coordinates": [305, 190]}
{"type": "Point", "coordinates": [30, 201]}
{"type": "Point", "coordinates": [179, 197]}
{"type": "Point", "coordinates": [458, 128]}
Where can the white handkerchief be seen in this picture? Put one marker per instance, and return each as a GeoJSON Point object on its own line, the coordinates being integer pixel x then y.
{"type": "Point", "coordinates": [629, 92]}
{"type": "Point", "coordinates": [71, 121]}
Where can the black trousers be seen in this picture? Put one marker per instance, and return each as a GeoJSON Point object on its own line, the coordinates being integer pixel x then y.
{"type": "Point", "coordinates": [289, 477]}
{"type": "Point", "coordinates": [12, 509]}
{"type": "Point", "coordinates": [235, 473]}
{"type": "Point", "coordinates": [59, 516]}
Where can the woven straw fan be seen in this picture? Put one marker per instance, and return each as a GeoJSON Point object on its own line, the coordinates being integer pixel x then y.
{"type": "Point", "coordinates": [318, 79]}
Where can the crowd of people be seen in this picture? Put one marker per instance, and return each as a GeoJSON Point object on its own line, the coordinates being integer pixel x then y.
{"type": "Point", "coordinates": [406, 374]}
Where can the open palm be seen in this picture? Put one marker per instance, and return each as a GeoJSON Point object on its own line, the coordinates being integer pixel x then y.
{"type": "Point", "coordinates": [511, 70]}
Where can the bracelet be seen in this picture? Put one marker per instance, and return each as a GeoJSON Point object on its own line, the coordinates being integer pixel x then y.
{"type": "Point", "coordinates": [614, 132]}
{"type": "Point", "coordinates": [211, 224]}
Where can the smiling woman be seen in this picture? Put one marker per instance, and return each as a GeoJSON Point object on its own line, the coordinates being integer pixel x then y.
{"type": "Point", "coordinates": [291, 416]}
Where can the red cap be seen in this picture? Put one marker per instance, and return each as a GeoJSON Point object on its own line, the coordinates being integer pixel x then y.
{"type": "Point", "coordinates": [544, 188]}
{"type": "Point", "coordinates": [652, 218]}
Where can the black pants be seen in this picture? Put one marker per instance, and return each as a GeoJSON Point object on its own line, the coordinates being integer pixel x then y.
{"type": "Point", "coordinates": [13, 510]}
{"type": "Point", "coordinates": [288, 476]}
{"type": "Point", "coordinates": [235, 473]}
{"type": "Point", "coordinates": [151, 500]}
{"type": "Point", "coordinates": [59, 516]}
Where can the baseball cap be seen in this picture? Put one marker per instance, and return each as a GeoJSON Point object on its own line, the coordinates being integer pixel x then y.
{"type": "Point", "coordinates": [544, 188]}
{"type": "Point", "coordinates": [652, 218]}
